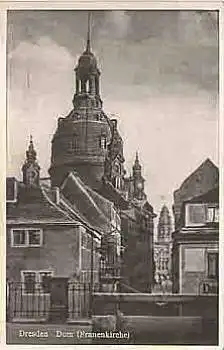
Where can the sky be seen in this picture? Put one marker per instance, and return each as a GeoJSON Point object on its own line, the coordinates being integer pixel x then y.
{"type": "Point", "coordinates": [159, 76]}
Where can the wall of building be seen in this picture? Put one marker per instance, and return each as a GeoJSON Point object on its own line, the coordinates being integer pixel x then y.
{"type": "Point", "coordinates": [137, 266]}
{"type": "Point", "coordinates": [193, 265]}
{"type": "Point", "coordinates": [62, 252]}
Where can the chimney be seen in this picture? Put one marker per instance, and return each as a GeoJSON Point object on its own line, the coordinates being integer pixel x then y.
{"type": "Point", "coordinates": [56, 193]}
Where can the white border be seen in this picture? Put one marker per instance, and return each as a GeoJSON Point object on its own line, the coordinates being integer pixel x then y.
{"type": "Point", "coordinates": [45, 4]}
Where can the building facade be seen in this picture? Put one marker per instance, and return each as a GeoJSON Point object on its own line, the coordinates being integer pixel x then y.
{"type": "Point", "coordinates": [196, 236]}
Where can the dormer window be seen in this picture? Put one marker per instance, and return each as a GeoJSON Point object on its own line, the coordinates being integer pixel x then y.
{"type": "Point", "coordinates": [201, 214]}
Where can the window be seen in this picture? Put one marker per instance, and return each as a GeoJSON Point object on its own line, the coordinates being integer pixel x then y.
{"type": "Point", "coordinates": [19, 237]}
{"type": "Point", "coordinates": [103, 142]}
{"type": "Point", "coordinates": [199, 214]}
{"type": "Point", "coordinates": [117, 182]}
{"type": "Point", "coordinates": [29, 279]}
{"type": "Point", "coordinates": [11, 190]}
{"type": "Point", "coordinates": [194, 260]}
{"type": "Point", "coordinates": [36, 281]}
{"type": "Point", "coordinates": [196, 214]}
{"type": "Point", "coordinates": [26, 237]}
{"type": "Point", "coordinates": [213, 265]}
{"type": "Point", "coordinates": [212, 214]}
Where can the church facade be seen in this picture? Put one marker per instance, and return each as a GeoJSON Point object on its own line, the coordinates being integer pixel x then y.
{"type": "Point", "coordinates": [90, 192]}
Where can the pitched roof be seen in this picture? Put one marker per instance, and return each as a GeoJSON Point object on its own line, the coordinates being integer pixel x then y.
{"type": "Point", "coordinates": [87, 203]}
{"type": "Point", "coordinates": [204, 179]}
{"type": "Point", "coordinates": [207, 174]}
{"type": "Point", "coordinates": [33, 204]}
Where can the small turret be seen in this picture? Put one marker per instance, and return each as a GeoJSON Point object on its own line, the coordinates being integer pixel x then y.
{"type": "Point", "coordinates": [31, 168]}
{"type": "Point", "coordinates": [138, 180]}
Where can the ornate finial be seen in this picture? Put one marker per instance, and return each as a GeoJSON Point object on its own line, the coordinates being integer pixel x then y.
{"type": "Point", "coordinates": [88, 33]}
{"type": "Point", "coordinates": [31, 153]}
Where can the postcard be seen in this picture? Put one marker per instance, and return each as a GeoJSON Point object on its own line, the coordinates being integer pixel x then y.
{"type": "Point", "coordinates": [112, 180]}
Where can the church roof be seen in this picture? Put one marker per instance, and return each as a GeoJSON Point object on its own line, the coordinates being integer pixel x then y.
{"type": "Point", "coordinates": [92, 207]}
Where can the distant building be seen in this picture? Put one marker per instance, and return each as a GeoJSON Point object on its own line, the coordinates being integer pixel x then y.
{"type": "Point", "coordinates": [196, 236]}
{"type": "Point", "coordinates": [163, 246]}
{"type": "Point", "coordinates": [137, 233]}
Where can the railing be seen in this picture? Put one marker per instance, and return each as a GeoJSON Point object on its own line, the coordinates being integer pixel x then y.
{"type": "Point", "coordinates": [78, 300]}
{"type": "Point", "coordinates": [29, 302]}
{"type": "Point", "coordinates": [33, 302]}
{"type": "Point", "coordinates": [109, 272]}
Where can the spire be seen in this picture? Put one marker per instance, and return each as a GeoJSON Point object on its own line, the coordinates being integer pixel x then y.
{"type": "Point", "coordinates": [31, 153]}
{"type": "Point", "coordinates": [137, 165]}
{"type": "Point", "coordinates": [88, 34]}
{"type": "Point", "coordinates": [30, 168]}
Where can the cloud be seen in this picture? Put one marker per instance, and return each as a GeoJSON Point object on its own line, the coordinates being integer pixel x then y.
{"type": "Point", "coordinates": [34, 105]}
{"type": "Point", "coordinates": [115, 25]}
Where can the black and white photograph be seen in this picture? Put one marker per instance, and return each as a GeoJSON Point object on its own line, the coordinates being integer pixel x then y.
{"type": "Point", "coordinates": [112, 187]}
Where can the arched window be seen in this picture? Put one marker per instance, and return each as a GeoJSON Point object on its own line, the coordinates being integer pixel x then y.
{"type": "Point", "coordinates": [117, 182]}
{"type": "Point", "coordinates": [117, 168]}
{"type": "Point", "coordinates": [88, 86]}
{"type": "Point", "coordinates": [103, 142]}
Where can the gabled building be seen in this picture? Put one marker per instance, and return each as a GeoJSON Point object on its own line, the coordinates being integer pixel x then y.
{"type": "Point", "coordinates": [196, 235]}
{"type": "Point", "coordinates": [52, 231]}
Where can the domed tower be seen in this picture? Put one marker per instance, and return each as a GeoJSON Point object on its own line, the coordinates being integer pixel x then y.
{"type": "Point", "coordinates": [81, 140]}
{"type": "Point", "coordinates": [30, 168]}
{"type": "Point", "coordinates": [164, 225]}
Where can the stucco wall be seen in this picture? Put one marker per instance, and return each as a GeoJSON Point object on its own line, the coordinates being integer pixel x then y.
{"type": "Point", "coordinates": [193, 268]}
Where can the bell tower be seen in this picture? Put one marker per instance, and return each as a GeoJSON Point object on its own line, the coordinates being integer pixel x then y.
{"type": "Point", "coordinates": [81, 140]}
{"type": "Point", "coordinates": [138, 180]}
{"type": "Point", "coordinates": [87, 92]}
{"type": "Point", "coordinates": [30, 168]}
